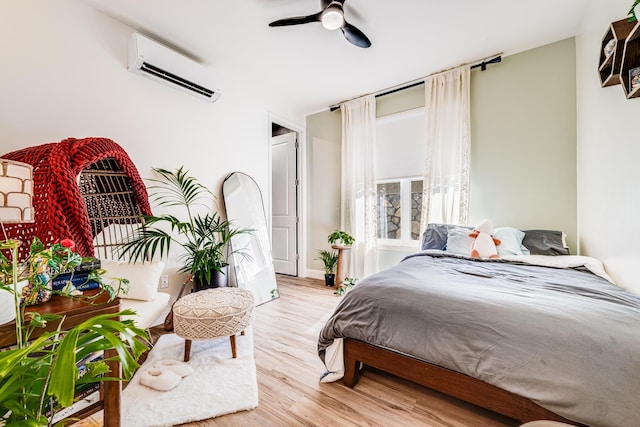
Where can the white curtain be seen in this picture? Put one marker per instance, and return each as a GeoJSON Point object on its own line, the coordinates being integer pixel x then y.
{"type": "Point", "coordinates": [446, 179]}
{"type": "Point", "coordinates": [358, 199]}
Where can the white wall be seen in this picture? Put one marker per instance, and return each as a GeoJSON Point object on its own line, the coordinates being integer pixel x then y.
{"type": "Point", "coordinates": [608, 153]}
{"type": "Point", "coordinates": [64, 74]}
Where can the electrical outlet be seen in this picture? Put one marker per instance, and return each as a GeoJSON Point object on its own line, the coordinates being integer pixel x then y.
{"type": "Point", "coordinates": [164, 281]}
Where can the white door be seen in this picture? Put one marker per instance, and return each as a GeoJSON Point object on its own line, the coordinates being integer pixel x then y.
{"type": "Point", "coordinates": [284, 221]}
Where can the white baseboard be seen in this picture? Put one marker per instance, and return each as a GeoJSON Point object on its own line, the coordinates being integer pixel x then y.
{"type": "Point", "coordinates": [314, 274]}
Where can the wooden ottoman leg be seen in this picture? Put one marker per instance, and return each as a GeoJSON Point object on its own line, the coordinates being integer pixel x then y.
{"type": "Point", "coordinates": [232, 338]}
{"type": "Point", "coordinates": [187, 350]}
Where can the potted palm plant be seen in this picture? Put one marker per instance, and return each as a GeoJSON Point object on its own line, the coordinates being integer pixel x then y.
{"type": "Point", "coordinates": [329, 259]}
{"type": "Point", "coordinates": [205, 238]}
{"type": "Point", "coordinates": [39, 376]}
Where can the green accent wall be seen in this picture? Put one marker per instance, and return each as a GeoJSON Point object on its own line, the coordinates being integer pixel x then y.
{"type": "Point", "coordinates": [322, 182]}
{"type": "Point", "coordinates": [523, 141]}
{"type": "Point", "coordinates": [523, 146]}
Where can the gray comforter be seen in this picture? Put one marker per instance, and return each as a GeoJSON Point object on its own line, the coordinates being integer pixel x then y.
{"type": "Point", "coordinates": [565, 338]}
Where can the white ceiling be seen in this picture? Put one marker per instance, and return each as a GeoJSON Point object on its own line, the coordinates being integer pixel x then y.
{"type": "Point", "coordinates": [313, 68]}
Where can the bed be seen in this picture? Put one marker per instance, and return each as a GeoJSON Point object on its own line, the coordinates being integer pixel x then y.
{"type": "Point", "coordinates": [528, 336]}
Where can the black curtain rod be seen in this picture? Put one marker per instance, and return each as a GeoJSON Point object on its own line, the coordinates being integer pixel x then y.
{"type": "Point", "coordinates": [482, 65]}
{"type": "Point", "coordinates": [398, 89]}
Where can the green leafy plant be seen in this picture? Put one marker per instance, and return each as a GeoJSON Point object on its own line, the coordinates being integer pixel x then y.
{"type": "Point", "coordinates": [346, 285]}
{"type": "Point", "coordinates": [632, 13]}
{"type": "Point", "coordinates": [44, 264]}
{"type": "Point", "coordinates": [329, 259]}
{"type": "Point", "coordinates": [204, 238]}
{"type": "Point", "coordinates": [42, 376]}
{"type": "Point", "coordinates": [39, 376]}
{"type": "Point", "coordinates": [341, 237]}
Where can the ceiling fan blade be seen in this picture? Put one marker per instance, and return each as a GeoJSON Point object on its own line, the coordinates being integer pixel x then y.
{"type": "Point", "coordinates": [296, 20]}
{"type": "Point", "coordinates": [355, 36]}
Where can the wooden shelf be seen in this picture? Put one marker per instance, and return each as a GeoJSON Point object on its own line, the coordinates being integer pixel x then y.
{"type": "Point", "coordinates": [77, 311]}
{"type": "Point", "coordinates": [630, 60]}
{"type": "Point", "coordinates": [609, 68]}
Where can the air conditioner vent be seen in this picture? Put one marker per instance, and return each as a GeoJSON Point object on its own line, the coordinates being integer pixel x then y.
{"type": "Point", "coordinates": [165, 75]}
{"type": "Point", "coordinates": [157, 62]}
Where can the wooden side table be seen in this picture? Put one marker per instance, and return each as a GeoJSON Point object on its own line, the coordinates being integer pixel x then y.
{"type": "Point", "coordinates": [76, 312]}
{"type": "Point", "coordinates": [341, 268]}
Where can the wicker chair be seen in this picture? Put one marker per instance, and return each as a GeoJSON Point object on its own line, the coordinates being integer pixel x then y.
{"type": "Point", "coordinates": [87, 190]}
{"type": "Point", "coordinates": [81, 186]}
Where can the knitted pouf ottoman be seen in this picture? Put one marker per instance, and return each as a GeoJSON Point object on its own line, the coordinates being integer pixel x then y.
{"type": "Point", "coordinates": [212, 313]}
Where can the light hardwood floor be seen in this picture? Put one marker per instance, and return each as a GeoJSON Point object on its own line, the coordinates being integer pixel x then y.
{"type": "Point", "coordinates": [288, 368]}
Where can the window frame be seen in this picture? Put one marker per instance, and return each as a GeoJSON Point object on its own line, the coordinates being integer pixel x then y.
{"type": "Point", "coordinates": [405, 216]}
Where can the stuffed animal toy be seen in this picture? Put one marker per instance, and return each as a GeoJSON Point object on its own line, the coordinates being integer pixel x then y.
{"type": "Point", "coordinates": [484, 245]}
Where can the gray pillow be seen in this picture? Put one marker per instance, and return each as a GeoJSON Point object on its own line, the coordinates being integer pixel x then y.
{"type": "Point", "coordinates": [435, 236]}
{"type": "Point", "coordinates": [545, 242]}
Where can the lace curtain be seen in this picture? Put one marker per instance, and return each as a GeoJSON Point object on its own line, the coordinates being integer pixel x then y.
{"type": "Point", "coordinates": [446, 179]}
{"type": "Point", "coordinates": [358, 204]}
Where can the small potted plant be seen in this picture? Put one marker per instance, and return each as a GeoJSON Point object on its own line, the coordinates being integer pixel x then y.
{"type": "Point", "coordinates": [342, 239]}
{"type": "Point", "coordinates": [205, 238]}
{"type": "Point", "coordinates": [329, 259]}
{"type": "Point", "coordinates": [346, 285]}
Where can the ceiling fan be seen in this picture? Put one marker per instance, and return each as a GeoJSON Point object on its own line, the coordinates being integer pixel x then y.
{"type": "Point", "coordinates": [331, 17]}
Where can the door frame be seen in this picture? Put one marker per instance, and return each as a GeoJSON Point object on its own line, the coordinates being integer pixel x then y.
{"type": "Point", "coordinates": [301, 228]}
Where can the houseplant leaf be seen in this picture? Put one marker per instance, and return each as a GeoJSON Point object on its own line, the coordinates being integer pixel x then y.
{"type": "Point", "coordinates": [204, 237]}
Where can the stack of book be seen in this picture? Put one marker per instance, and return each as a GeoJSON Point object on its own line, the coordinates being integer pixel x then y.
{"type": "Point", "coordinates": [79, 277]}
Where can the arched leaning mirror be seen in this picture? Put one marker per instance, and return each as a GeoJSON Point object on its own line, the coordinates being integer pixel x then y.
{"type": "Point", "coordinates": [252, 251]}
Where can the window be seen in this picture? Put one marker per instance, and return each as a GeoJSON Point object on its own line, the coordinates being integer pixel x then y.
{"type": "Point", "coordinates": [399, 209]}
{"type": "Point", "coordinates": [399, 168]}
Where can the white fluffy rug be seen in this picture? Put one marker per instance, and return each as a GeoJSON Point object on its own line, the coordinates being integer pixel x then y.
{"type": "Point", "coordinates": [219, 384]}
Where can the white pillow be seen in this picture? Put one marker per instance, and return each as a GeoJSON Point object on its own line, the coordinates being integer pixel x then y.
{"type": "Point", "coordinates": [459, 242]}
{"type": "Point", "coordinates": [143, 277]}
{"type": "Point", "coordinates": [510, 241]}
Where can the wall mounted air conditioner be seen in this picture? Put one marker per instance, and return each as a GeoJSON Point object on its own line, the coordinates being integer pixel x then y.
{"type": "Point", "coordinates": [157, 62]}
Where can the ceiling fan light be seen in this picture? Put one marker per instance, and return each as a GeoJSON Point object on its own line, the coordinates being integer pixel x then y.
{"type": "Point", "coordinates": [332, 18]}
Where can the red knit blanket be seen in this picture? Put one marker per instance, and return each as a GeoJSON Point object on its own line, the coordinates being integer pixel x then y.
{"type": "Point", "coordinates": [60, 211]}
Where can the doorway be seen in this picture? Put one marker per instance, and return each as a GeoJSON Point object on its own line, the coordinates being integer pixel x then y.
{"type": "Point", "coordinates": [285, 198]}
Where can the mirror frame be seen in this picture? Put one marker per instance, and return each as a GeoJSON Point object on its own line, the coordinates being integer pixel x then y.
{"type": "Point", "coordinates": [251, 252]}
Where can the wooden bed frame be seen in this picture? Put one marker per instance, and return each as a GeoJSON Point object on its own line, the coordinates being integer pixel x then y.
{"type": "Point", "coordinates": [449, 382]}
